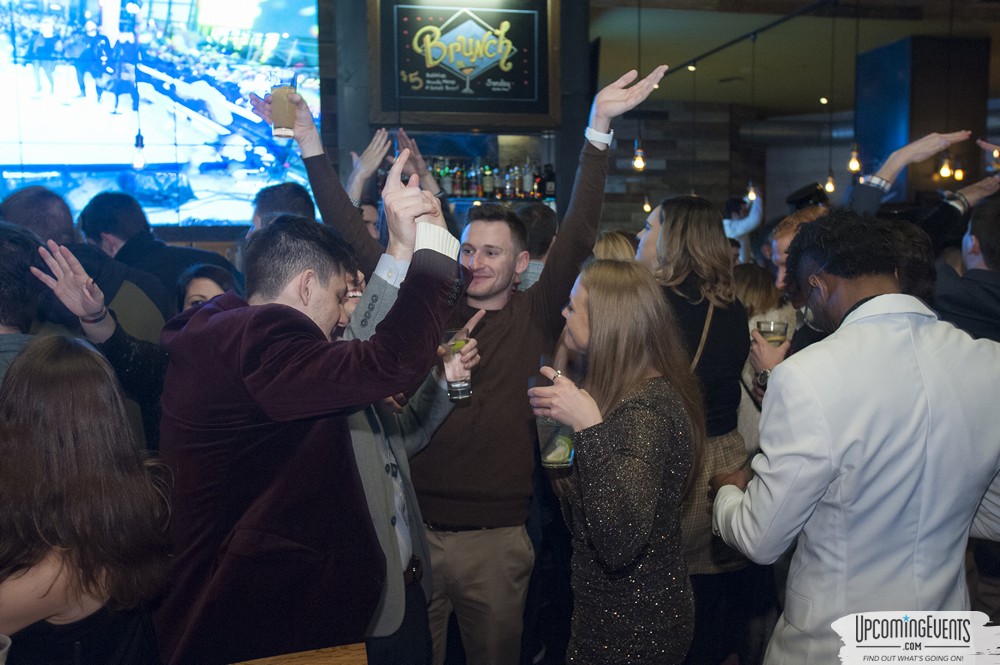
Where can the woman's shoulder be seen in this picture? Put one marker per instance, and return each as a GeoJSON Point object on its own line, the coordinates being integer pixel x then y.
{"type": "Point", "coordinates": [43, 593]}
{"type": "Point", "coordinates": [656, 394]}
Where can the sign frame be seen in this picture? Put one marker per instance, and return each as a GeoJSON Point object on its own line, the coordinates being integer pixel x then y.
{"type": "Point", "coordinates": [381, 62]}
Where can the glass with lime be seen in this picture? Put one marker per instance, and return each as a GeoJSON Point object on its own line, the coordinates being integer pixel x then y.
{"type": "Point", "coordinates": [459, 379]}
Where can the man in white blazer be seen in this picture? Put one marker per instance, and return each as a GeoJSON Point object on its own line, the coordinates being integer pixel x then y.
{"type": "Point", "coordinates": [877, 446]}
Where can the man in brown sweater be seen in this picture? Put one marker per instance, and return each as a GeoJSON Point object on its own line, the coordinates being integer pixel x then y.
{"type": "Point", "coordinates": [474, 479]}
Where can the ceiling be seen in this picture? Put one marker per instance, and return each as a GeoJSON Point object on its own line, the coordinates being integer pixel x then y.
{"type": "Point", "coordinates": [788, 68]}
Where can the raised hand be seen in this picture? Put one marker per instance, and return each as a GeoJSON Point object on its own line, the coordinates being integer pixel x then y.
{"type": "Point", "coordinates": [921, 149]}
{"type": "Point", "coordinates": [417, 164]}
{"type": "Point", "coordinates": [368, 162]}
{"type": "Point", "coordinates": [70, 282]}
{"type": "Point", "coordinates": [988, 147]}
{"type": "Point", "coordinates": [404, 204]}
{"type": "Point", "coordinates": [618, 97]}
{"type": "Point", "coordinates": [978, 191]}
{"type": "Point", "coordinates": [304, 129]}
{"type": "Point", "coordinates": [930, 145]}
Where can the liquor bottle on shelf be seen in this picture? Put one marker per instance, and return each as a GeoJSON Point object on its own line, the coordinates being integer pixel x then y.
{"type": "Point", "coordinates": [527, 180]}
{"type": "Point", "coordinates": [457, 180]}
{"type": "Point", "coordinates": [444, 181]}
{"type": "Point", "coordinates": [508, 182]}
{"type": "Point", "coordinates": [550, 181]}
{"type": "Point", "coordinates": [473, 184]}
{"type": "Point", "coordinates": [486, 180]}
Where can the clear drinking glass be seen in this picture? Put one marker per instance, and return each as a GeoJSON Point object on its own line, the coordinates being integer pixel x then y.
{"type": "Point", "coordinates": [775, 332]}
{"type": "Point", "coordinates": [282, 110]}
{"type": "Point", "coordinates": [459, 379]}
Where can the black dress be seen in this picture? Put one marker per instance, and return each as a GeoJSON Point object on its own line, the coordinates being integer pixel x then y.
{"type": "Point", "coordinates": [632, 599]}
{"type": "Point", "coordinates": [103, 638]}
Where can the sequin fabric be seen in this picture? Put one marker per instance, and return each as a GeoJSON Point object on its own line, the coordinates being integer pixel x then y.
{"type": "Point", "coordinates": [632, 599]}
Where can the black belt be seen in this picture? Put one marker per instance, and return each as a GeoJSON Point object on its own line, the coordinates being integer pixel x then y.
{"type": "Point", "coordinates": [434, 526]}
{"type": "Point", "coordinates": [414, 571]}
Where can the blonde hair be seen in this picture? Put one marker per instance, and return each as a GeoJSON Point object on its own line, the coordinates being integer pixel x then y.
{"type": "Point", "coordinates": [633, 331]}
{"type": "Point", "coordinates": [614, 245]}
{"type": "Point", "coordinates": [692, 242]}
{"type": "Point", "coordinates": [790, 225]}
{"type": "Point", "coordinates": [755, 288]}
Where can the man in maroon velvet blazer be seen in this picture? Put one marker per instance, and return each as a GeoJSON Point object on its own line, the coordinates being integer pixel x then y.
{"type": "Point", "coordinates": [274, 548]}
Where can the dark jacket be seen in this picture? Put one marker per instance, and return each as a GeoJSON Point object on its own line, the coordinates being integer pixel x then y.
{"type": "Point", "coordinates": [167, 262]}
{"type": "Point", "coordinates": [970, 302]}
{"type": "Point", "coordinates": [274, 549]}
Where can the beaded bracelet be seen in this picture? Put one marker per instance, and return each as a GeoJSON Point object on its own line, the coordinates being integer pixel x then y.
{"type": "Point", "coordinates": [97, 319]}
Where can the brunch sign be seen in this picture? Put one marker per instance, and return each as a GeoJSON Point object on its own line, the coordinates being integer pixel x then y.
{"type": "Point", "coordinates": [469, 49]}
{"type": "Point", "coordinates": [475, 58]}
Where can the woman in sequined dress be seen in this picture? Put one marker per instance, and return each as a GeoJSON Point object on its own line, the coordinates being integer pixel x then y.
{"type": "Point", "coordinates": [637, 429]}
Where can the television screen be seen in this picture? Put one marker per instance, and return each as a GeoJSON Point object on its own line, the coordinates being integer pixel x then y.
{"type": "Point", "coordinates": [151, 97]}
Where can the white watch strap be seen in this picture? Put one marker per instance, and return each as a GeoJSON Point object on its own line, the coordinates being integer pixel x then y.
{"type": "Point", "coordinates": [599, 137]}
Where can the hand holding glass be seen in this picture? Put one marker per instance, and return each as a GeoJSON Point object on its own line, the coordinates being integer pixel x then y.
{"type": "Point", "coordinates": [282, 109]}
{"type": "Point", "coordinates": [459, 378]}
{"type": "Point", "coordinates": [773, 331]}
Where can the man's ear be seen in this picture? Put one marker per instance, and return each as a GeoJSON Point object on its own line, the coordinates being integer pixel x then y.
{"type": "Point", "coordinates": [305, 287]}
{"type": "Point", "coordinates": [522, 262]}
{"type": "Point", "coordinates": [824, 284]}
{"type": "Point", "coordinates": [974, 247]}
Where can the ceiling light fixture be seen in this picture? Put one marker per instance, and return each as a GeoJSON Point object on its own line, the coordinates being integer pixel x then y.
{"type": "Point", "coordinates": [831, 185]}
{"type": "Point", "coordinates": [639, 156]}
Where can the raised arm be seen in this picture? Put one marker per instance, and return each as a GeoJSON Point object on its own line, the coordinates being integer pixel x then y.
{"type": "Point", "coordinates": [578, 230]}
{"type": "Point", "coordinates": [367, 163]}
{"type": "Point", "coordinates": [335, 206]}
{"type": "Point", "coordinates": [867, 196]}
{"type": "Point", "coordinates": [139, 365]}
{"type": "Point", "coordinates": [428, 182]}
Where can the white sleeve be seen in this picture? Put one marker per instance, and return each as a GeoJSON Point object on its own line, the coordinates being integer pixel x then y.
{"type": "Point", "coordinates": [986, 523]}
{"type": "Point", "coordinates": [736, 228]}
{"type": "Point", "coordinates": [792, 473]}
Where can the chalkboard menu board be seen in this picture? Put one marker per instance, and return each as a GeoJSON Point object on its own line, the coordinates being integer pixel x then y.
{"type": "Point", "coordinates": [481, 63]}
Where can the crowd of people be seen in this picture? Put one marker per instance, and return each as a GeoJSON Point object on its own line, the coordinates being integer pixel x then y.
{"type": "Point", "coordinates": [203, 462]}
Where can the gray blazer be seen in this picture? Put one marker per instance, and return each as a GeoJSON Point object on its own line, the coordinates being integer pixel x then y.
{"type": "Point", "coordinates": [407, 433]}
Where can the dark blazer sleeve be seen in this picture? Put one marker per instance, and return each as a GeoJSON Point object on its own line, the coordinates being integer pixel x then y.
{"type": "Point", "coordinates": [292, 373]}
{"type": "Point", "coordinates": [865, 199]}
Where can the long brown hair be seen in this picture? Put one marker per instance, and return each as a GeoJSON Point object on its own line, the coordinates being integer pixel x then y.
{"type": "Point", "coordinates": [692, 241]}
{"type": "Point", "coordinates": [755, 288]}
{"type": "Point", "coordinates": [72, 481]}
{"type": "Point", "coordinates": [633, 331]}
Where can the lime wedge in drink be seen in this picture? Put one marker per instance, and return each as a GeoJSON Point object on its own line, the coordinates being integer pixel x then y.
{"type": "Point", "coordinates": [456, 345]}
{"type": "Point", "coordinates": [560, 451]}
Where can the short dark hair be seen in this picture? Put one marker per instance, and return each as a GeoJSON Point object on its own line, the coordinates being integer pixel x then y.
{"type": "Point", "coordinates": [287, 197]}
{"type": "Point", "coordinates": [217, 274]}
{"type": "Point", "coordinates": [844, 244]}
{"type": "Point", "coordinates": [497, 212]}
{"type": "Point", "coordinates": [19, 289]}
{"type": "Point", "coordinates": [286, 247]}
{"type": "Point", "coordinates": [540, 222]}
{"type": "Point", "coordinates": [41, 211]}
{"type": "Point", "coordinates": [985, 227]}
{"type": "Point", "coordinates": [116, 213]}
{"type": "Point", "coordinates": [914, 259]}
